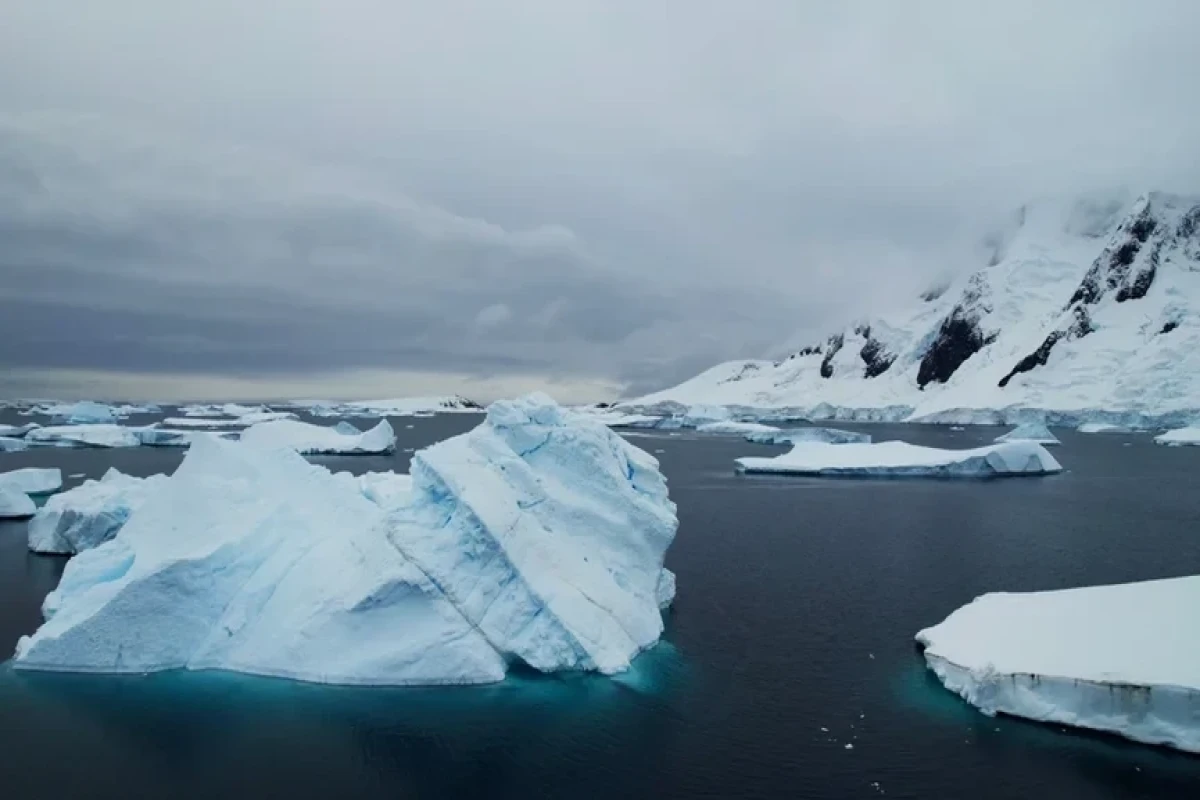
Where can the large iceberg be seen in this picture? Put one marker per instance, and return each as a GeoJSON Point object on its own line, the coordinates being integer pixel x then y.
{"type": "Point", "coordinates": [1030, 432]}
{"type": "Point", "coordinates": [900, 459]}
{"type": "Point", "coordinates": [84, 436]}
{"type": "Point", "coordinates": [1180, 436]}
{"type": "Point", "coordinates": [1122, 659]}
{"type": "Point", "coordinates": [537, 538]}
{"type": "Point", "coordinates": [396, 407]}
{"type": "Point", "coordinates": [797, 435]}
{"type": "Point", "coordinates": [15, 504]}
{"type": "Point", "coordinates": [90, 514]}
{"type": "Point", "coordinates": [80, 413]}
{"type": "Point", "coordinates": [304, 437]}
{"type": "Point", "coordinates": [33, 480]}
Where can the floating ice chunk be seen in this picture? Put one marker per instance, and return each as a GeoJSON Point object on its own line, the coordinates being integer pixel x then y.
{"type": "Point", "coordinates": [1181, 436]}
{"type": "Point", "coordinates": [15, 504]}
{"type": "Point", "coordinates": [11, 445]}
{"type": "Point", "coordinates": [1030, 432]}
{"type": "Point", "coordinates": [537, 537]}
{"type": "Point", "coordinates": [80, 413]}
{"type": "Point", "coordinates": [33, 480]}
{"type": "Point", "coordinates": [664, 593]}
{"type": "Point", "coordinates": [1102, 427]}
{"type": "Point", "coordinates": [346, 429]}
{"type": "Point", "coordinates": [84, 436]}
{"type": "Point", "coordinates": [17, 431]}
{"type": "Point", "coordinates": [900, 459]}
{"type": "Point", "coordinates": [1116, 658]}
{"type": "Point", "coordinates": [797, 435]}
{"type": "Point", "coordinates": [89, 514]}
{"type": "Point", "coordinates": [738, 428]}
{"type": "Point", "coordinates": [304, 437]}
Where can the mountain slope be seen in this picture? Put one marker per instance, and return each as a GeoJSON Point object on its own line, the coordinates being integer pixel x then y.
{"type": "Point", "coordinates": [1085, 311]}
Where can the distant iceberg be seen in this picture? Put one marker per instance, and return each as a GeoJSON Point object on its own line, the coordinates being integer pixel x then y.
{"type": "Point", "coordinates": [11, 445]}
{"type": "Point", "coordinates": [304, 437]}
{"type": "Point", "coordinates": [746, 429]}
{"type": "Point", "coordinates": [1120, 659]}
{"type": "Point", "coordinates": [797, 435]}
{"type": "Point", "coordinates": [537, 538]}
{"type": "Point", "coordinates": [17, 431]}
{"type": "Point", "coordinates": [84, 436]}
{"type": "Point", "coordinates": [80, 413]}
{"type": "Point", "coordinates": [1102, 427]}
{"type": "Point", "coordinates": [33, 480]}
{"type": "Point", "coordinates": [1030, 432]}
{"type": "Point", "coordinates": [15, 504]}
{"type": "Point", "coordinates": [900, 459]}
{"type": "Point", "coordinates": [90, 514]}
{"type": "Point", "coordinates": [385, 488]}
{"type": "Point", "coordinates": [395, 407]}
{"type": "Point", "coordinates": [1179, 437]}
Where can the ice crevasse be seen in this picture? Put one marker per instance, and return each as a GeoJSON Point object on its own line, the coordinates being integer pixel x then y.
{"type": "Point", "coordinates": [536, 538]}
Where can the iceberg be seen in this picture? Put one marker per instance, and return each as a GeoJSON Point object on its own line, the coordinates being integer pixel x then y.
{"type": "Point", "coordinates": [1030, 432]}
{"type": "Point", "coordinates": [397, 407]}
{"type": "Point", "coordinates": [90, 514]}
{"type": "Point", "coordinates": [738, 428]}
{"type": "Point", "coordinates": [15, 504]}
{"type": "Point", "coordinates": [797, 435]}
{"type": "Point", "coordinates": [17, 431]}
{"type": "Point", "coordinates": [244, 421]}
{"type": "Point", "coordinates": [304, 437]}
{"type": "Point", "coordinates": [163, 437]}
{"type": "Point", "coordinates": [385, 488]}
{"type": "Point", "coordinates": [11, 445]}
{"type": "Point", "coordinates": [900, 459]}
{"type": "Point", "coordinates": [84, 436]}
{"type": "Point", "coordinates": [1179, 437]}
{"type": "Point", "coordinates": [1119, 658]}
{"type": "Point", "coordinates": [536, 538]}
{"type": "Point", "coordinates": [33, 480]}
{"type": "Point", "coordinates": [80, 413]}
{"type": "Point", "coordinates": [1102, 427]}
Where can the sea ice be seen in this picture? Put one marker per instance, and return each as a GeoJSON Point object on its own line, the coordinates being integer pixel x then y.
{"type": "Point", "coordinates": [797, 435]}
{"type": "Point", "coordinates": [537, 538]}
{"type": "Point", "coordinates": [33, 480]}
{"type": "Point", "coordinates": [304, 437]}
{"type": "Point", "coordinates": [1030, 432]}
{"type": "Point", "coordinates": [900, 459]}
{"type": "Point", "coordinates": [89, 514]}
{"type": "Point", "coordinates": [15, 504]}
{"type": "Point", "coordinates": [1182, 436]}
{"type": "Point", "coordinates": [84, 436]}
{"type": "Point", "coordinates": [1118, 658]}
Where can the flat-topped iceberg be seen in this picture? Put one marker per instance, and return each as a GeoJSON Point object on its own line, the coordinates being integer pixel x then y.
{"type": "Point", "coordinates": [1102, 427]}
{"type": "Point", "coordinates": [33, 480]}
{"type": "Point", "coordinates": [304, 437]}
{"type": "Point", "coordinates": [243, 421]}
{"type": "Point", "coordinates": [746, 429]}
{"type": "Point", "coordinates": [90, 514]}
{"type": "Point", "coordinates": [84, 436]}
{"type": "Point", "coordinates": [1179, 437]}
{"type": "Point", "coordinates": [1122, 659]}
{"type": "Point", "coordinates": [80, 413]}
{"type": "Point", "coordinates": [1030, 432]}
{"type": "Point", "coordinates": [395, 407]}
{"type": "Point", "coordinates": [152, 436]}
{"type": "Point", "coordinates": [900, 459]}
{"type": "Point", "coordinates": [536, 538]}
{"type": "Point", "coordinates": [797, 435]}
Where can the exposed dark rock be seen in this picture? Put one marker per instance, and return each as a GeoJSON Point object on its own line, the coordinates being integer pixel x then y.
{"type": "Point", "coordinates": [958, 339]}
{"type": "Point", "coordinates": [811, 350]}
{"type": "Point", "coordinates": [1189, 224]}
{"type": "Point", "coordinates": [835, 344]}
{"type": "Point", "coordinates": [1169, 326]}
{"type": "Point", "coordinates": [877, 359]}
{"type": "Point", "coordinates": [1081, 326]}
{"type": "Point", "coordinates": [1143, 227]}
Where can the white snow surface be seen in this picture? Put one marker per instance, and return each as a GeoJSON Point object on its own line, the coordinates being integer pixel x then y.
{"type": "Point", "coordinates": [304, 437]}
{"type": "Point", "coordinates": [537, 537]}
{"type": "Point", "coordinates": [89, 514]}
{"type": "Point", "coordinates": [1121, 658]}
{"type": "Point", "coordinates": [11, 445]}
{"type": "Point", "coordinates": [33, 480]}
{"type": "Point", "coordinates": [1111, 283]}
{"type": "Point", "coordinates": [901, 459]}
{"type": "Point", "coordinates": [814, 434]}
{"type": "Point", "coordinates": [1179, 437]}
{"type": "Point", "coordinates": [99, 435]}
{"type": "Point", "coordinates": [15, 504]}
{"type": "Point", "coordinates": [1030, 432]}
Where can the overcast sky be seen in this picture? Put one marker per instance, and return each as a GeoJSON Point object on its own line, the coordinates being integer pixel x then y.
{"type": "Point", "coordinates": [331, 198]}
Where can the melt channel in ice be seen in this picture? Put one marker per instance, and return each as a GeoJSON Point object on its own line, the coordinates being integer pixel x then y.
{"type": "Point", "coordinates": [536, 538]}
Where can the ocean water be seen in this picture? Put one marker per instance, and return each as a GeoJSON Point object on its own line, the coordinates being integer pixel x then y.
{"type": "Point", "coordinates": [792, 637]}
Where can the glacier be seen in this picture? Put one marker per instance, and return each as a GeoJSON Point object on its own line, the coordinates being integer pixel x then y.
{"type": "Point", "coordinates": [1179, 437]}
{"type": "Point", "coordinates": [1080, 310]}
{"type": "Point", "coordinates": [89, 514]}
{"type": "Point", "coordinates": [901, 459]}
{"type": "Point", "coordinates": [33, 480]}
{"type": "Point", "coordinates": [304, 437]}
{"type": "Point", "coordinates": [1030, 432]}
{"type": "Point", "coordinates": [814, 434]}
{"type": "Point", "coordinates": [538, 538]}
{"type": "Point", "coordinates": [98, 435]}
{"type": "Point", "coordinates": [1121, 658]}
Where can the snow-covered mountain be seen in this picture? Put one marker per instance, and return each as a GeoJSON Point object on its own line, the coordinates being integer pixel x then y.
{"type": "Point", "coordinates": [1085, 311]}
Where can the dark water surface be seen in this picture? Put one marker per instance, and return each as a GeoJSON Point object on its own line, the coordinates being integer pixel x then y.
{"type": "Point", "coordinates": [798, 602]}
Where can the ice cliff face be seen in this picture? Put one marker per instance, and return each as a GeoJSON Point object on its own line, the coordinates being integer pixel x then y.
{"type": "Point", "coordinates": [1088, 310]}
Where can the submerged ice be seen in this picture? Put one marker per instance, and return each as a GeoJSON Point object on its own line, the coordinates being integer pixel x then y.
{"type": "Point", "coordinates": [536, 538]}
